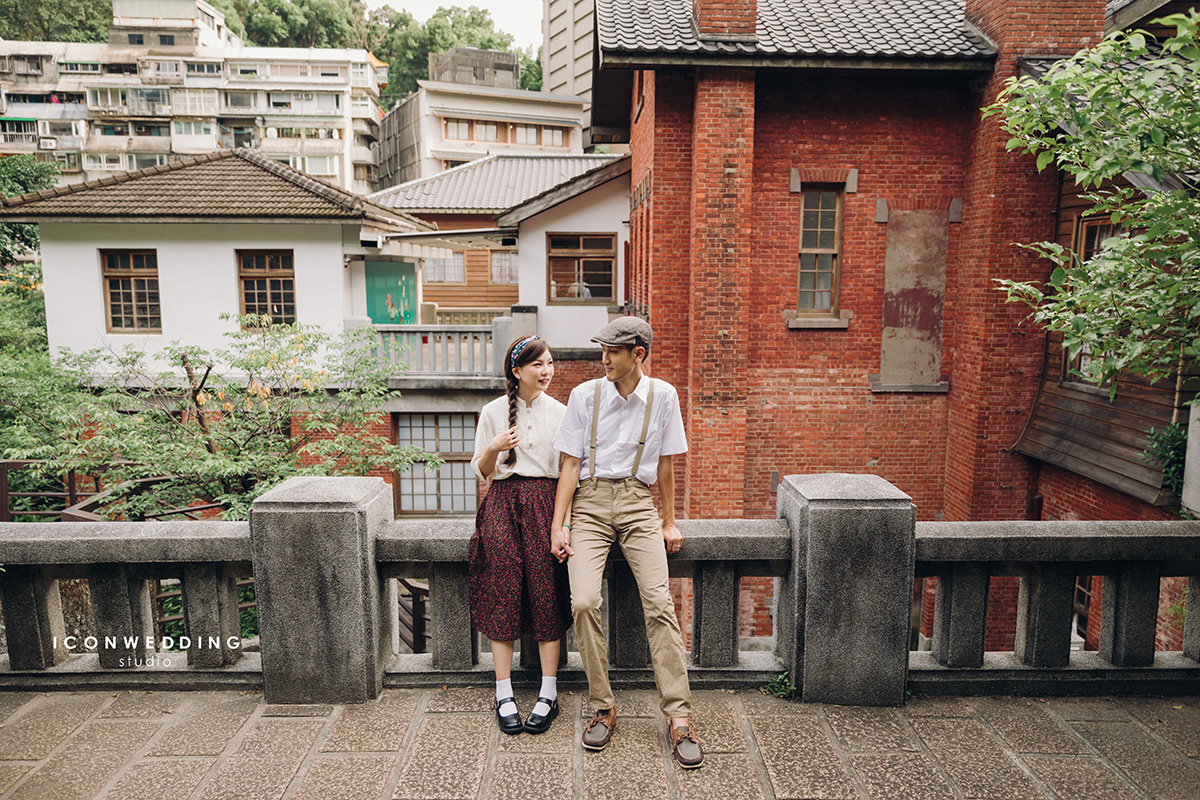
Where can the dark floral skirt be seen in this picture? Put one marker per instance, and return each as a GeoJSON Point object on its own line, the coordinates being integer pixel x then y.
{"type": "Point", "coordinates": [516, 586]}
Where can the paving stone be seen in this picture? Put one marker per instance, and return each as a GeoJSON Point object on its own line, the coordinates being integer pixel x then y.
{"type": "Point", "coordinates": [1172, 719]}
{"type": "Point", "coordinates": [901, 777]}
{"type": "Point", "coordinates": [10, 774]}
{"type": "Point", "coordinates": [1066, 776]}
{"type": "Point", "coordinates": [44, 724]}
{"type": "Point", "coordinates": [759, 703]}
{"type": "Point", "coordinates": [1158, 769]}
{"type": "Point", "coordinates": [526, 777]}
{"type": "Point", "coordinates": [11, 701]}
{"type": "Point", "coordinates": [204, 725]}
{"type": "Point", "coordinates": [727, 776]}
{"type": "Point", "coordinates": [447, 759]}
{"type": "Point", "coordinates": [143, 704]}
{"type": "Point", "coordinates": [866, 729]}
{"type": "Point", "coordinates": [936, 707]}
{"type": "Point", "coordinates": [345, 778]}
{"type": "Point", "coordinates": [300, 710]}
{"type": "Point", "coordinates": [460, 700]}
{"type": "Point", "coordinates": [1026, 726]}
{"type": "Point", "coordinates": [371, 727]}
{"type": "Point", "coordinates": [800, 758]}
{"type": "Point", "coordinates": [1104, 709]}
{"type": "Point", "coordinates": [716, 723]}
{"type": "Point", "coordinates": [160, 778]}
{"type": "Point", "coordinates": [559, 739]}
{"type": "Point", "coordinates": [630, 703]}
{"type": "Point", "coordinates": [630, 767]}
{"type": "Point", "coordinates": [88, 761]}
{"type": "Point", "coordinates": [264, 761]}
{"type": "Point", "coordinates": [974, 759]}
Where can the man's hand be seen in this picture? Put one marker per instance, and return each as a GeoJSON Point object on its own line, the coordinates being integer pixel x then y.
{"type": "Point", "coordinates": [560, 543]}
{"type": "Point", "coordinates": [672, 537]}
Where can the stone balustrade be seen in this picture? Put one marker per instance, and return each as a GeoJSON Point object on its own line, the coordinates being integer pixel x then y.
{"type": "Point", "coordinates": [844, 548]}
{"type": "Point", "coordinates": [446, 350]}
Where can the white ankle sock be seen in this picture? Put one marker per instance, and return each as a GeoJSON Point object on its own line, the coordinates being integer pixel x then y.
{"type": "Point", "coordinates": [504, 689]}
{"type": "Point", "coordinates": [549, 691]}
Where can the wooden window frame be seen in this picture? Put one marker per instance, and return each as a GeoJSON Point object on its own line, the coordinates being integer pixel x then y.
{"type": "Point", "coordinates": [266, 273]}
{"type": "Point", "coordinates": [479, 125]}
{"type": "Point", "coordinates": [109, 273]}
{"type": "Point", "coordinates": [492, 268]}
{"type": "Point", "coordinates": [580, 254]}
{"type": "Point", "coordinates": [446, 129]}
{"type": "Point", "coordinates": [456, 253]}
{"type": "Point", "coordinates": [1066, 375]}
{"type": "Point", "coordinates": [447, 456]}
{"type": "Point", "coordinates": [834, 310]}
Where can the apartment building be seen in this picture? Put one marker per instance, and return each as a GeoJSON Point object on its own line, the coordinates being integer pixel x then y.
{"type": "Point", "coordinates": [470, 109]}
{"type": "Point", "coordinates": [173, 80]}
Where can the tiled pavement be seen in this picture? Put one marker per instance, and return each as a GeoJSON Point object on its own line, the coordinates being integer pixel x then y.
{"type": "Point", "coordinates": [426, 744]}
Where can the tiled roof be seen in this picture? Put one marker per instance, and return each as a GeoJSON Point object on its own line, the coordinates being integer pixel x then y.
{"type": "Point", "coordinates": [488, 185]}
{"type": "Point", "coordinates": [907, 29]}
{"type": "Point", "coordinates": [226, 184]}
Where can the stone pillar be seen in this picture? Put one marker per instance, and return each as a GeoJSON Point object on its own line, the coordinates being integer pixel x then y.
{"type": "Point", "coordinates": [1129, 615]}
{"type": "Point", "coordinates": [120, 604]}
{"type": "Point", "coordinates": [502, 337]}
{"type": "Point", "coordinates": [33, 618]}
{"type": "Point", "coordinates": [1191, 463]}
{"type": "Point", "coordinates": [524, 321]}
{"type": "Point", "coordinates": [860, 560]}
{"type": "Point", "coordinates": [960, 615]}
{"type": "Point", "coordinates": [1191, 625]}
{"type": "Point", "coordinates": [454, 643]}
{"type": "Point", "coordinates": [1044, 612]}
{"type": "Point", "coordinates": [210, 613]}
{"type": "Point", "coordinates": [715, 590]}
{"type": "Point", "coordinates": [628, 645]}
{"type": "Point", "coordinates": [323, 633]}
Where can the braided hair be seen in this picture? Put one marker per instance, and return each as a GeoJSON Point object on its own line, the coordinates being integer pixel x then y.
{"type": "Point", "coordinates": [523, 351]}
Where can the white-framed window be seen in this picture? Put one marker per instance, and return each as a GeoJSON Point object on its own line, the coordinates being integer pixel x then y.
{"type": "Point", "coordinates": [330, 71]}
{"type": "Point", "coordinates": [329, 102]}
{"type": "Point", "coordinates": [144, 160]}
{"type": "Point", "coordinates": [320, 165]}
{"type": "Point", "coordinates": [446, 270]}
{"type": "Point", "coordinates": [212, 68]}
{"type": "Point", "coordinates": [13, 131]}
{"type": "Point", "coordinates": [207, 18]}
{"type": "Point", "coordinates": [458, 129]}
{"type": "Point", "coordinates": [449, 490]}
{"type": "Point", "coordinates": [190, 127]}
{"type": "Point", "coordinates": [166, 69]}
{"type": "Point", "coordinates": [104, 161]}
{"type": "Point", "coordinates": [504, 266]}
{"type": "Point", "coordinates": [525, 134]}
{"type": "Point", "coordinates": [78, 67]}
{"type": "Point", "coordinates": [244, 70]}
{"type": "Point", "coordinates": [289, 70]}
{"type": "Point", "coordinates": [63, 127]}
{"type": "Point", "coordinates": [245, 100]}
{"type": "Point", "coordinates": [108, 97]}
{"type": "Point", "coordinates": [194, 101]}
{"type": "Point", "coordinates": [487, 131]}
{"type": "Point", "coordinates": [280, 99]}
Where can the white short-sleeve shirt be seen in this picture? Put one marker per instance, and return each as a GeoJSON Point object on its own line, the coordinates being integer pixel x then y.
{"type": "Point", "coordinates": [537, 425]}
{"type": "Point", "coordinates": [620, 427]}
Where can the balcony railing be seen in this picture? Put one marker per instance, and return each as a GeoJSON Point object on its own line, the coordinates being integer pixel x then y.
{"type": "Point", "coordinates": [446, 350]}
{"type": "Point", "coordinates": [845, 548]}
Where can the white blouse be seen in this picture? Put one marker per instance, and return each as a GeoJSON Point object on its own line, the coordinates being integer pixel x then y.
{"type": "Point", "coordinates": [537, 428]}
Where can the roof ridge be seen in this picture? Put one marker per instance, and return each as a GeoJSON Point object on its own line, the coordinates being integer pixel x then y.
{"type": "Point", "coordinates": [473, 163]}
{"type": "Point", "coordinates": [318, 187]}
{"type": "Point", "coordinates": [119, 177]}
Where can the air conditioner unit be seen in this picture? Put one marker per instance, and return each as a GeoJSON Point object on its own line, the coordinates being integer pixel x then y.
{"type": "Point", "coordinates": [162, 109]}
{"type": "Point", "coordinates": [304, 95]}
{"type": "Point", "coordinates": [48, 143]}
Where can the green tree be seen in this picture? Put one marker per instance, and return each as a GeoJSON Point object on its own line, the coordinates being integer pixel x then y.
{"type": "Point", "coordinates": [224, 427]}
{"type": "Point", "coordinates": [19, 175]}
{"type": "Point", "coordinates": [234, 11]}
{"type": "Point", "coordinates": [531, 69]}
{"type": "Point", "coordinates": [450, 26]}
{"type": "Point", "coordinates": [1128, 105]}
{"type": "Point", "coordinates": [299, 23]}
{"type": "Point", "coordinates": [55, 20]}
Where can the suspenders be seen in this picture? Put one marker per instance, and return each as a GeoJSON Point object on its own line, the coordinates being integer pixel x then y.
{"type": "Point", "coordinates": [637, 460]}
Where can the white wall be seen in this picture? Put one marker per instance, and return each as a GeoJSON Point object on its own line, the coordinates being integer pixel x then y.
{"type": "Point", "coordinates": [197, 278]}
{"type": "Point", "coordinates": [604, 209]}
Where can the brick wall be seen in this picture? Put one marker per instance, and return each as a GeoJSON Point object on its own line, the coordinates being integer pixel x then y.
{"type": "Point", "coordinates": [721, 18]}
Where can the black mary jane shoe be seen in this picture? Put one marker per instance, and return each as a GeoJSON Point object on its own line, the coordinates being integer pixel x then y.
{"type": "Point", "coordinates": [510, 724]}
{"type": "Point", "coordinates": [539, 724]}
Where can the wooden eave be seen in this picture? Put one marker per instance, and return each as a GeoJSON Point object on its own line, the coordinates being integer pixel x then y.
{"type": "Point", "coordinates": [647, 60]}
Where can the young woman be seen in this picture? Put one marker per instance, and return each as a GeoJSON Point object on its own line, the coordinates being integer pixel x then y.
{"type": "Point", "coordinates": [517, 586]}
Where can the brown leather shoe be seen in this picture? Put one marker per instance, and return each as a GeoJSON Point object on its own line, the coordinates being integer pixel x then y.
{"type": "Point", "coordinates": [600, 729]}
{"type": "Point", "coordinates": [686, 747]}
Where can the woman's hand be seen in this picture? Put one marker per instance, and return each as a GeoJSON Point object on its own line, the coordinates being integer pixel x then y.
{"type": "Point", "coordinates": [560, 543]}
{"type": "Point", "coordinates": [505, 440]}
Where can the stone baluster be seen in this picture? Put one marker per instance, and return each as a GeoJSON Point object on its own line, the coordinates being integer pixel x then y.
{"type": "Point", "coordinates": [121, 604]}
{"type": "Point", "coordinates": [454, 643]}
{"type": "Point", "coordinates": [960, 615]}
{"type": "Point", "coordinates": [1044, 612]}
{"type": "Point", "coordinates": [210, 612]}
{"type": "Point", "coordinates": [715, 592]}
{"type": "Point", "coordinates": [1129, 615]}
{"type": "Point", "coordinates": [33, 618]}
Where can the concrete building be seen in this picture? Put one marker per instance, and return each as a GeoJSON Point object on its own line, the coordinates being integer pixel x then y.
{"type": "Point", "coordinates": [445, 124]}
{"type": "Point", "coordinates": [568, 28]}
{"type": "Point", "coordinates": [173, 80]}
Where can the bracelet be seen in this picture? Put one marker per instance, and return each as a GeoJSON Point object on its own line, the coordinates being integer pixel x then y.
{"type": "Point", "coordinates": [567, 525]}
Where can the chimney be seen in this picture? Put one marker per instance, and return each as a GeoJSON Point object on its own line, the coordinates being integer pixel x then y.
{"type": "Point", "coordinates": [726, 20]}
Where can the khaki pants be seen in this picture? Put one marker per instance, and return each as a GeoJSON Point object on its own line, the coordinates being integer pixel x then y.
{"type": "Point", "coordinates": [622, 512]}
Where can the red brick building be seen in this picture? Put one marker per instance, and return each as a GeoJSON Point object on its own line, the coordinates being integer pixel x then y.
{"type": "Point", "coordinates": [818, 217]}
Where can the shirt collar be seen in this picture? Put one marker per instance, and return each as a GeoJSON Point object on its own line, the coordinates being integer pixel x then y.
{"type": "Point", "coordinates": [611, 396]}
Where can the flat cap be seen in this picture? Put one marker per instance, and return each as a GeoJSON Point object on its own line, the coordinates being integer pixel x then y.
{"type": "Point", "coordinates": [626, 331]}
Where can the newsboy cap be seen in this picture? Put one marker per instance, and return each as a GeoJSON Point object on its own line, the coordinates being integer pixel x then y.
{"type": "Point", "coordinates": [626, 331]}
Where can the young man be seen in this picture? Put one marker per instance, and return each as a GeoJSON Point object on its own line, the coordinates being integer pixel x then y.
{"type": "Point", "coordinates": [620, 432]}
